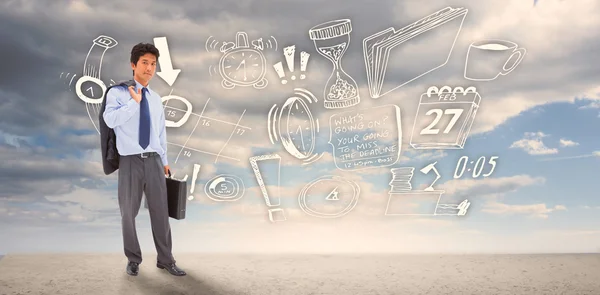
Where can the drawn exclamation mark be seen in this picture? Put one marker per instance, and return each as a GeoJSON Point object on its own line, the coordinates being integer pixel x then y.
{"type": "Point", "coordinates": [279, 69]}
{"type": "Point", "coordinates": [194, 177]}
{"type": "Point", "coordinates": [273, 201]}
{"type": "Point", "coordinates": [303, 62]}
{"type": "Point", "coordinates": [289, 53]}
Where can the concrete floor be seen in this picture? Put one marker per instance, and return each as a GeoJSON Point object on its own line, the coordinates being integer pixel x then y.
{"type": "Point", "coordinates": [304, 274]}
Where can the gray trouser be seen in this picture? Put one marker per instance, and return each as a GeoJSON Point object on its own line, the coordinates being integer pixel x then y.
{"type": "Point", "coordinates": [144, 175]}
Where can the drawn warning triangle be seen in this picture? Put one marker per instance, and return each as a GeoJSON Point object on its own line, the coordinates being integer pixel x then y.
{"type": "Point", "coordinates": [333, 195]}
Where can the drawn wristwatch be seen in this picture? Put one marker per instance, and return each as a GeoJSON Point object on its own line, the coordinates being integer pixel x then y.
{"type": "Point", "coordinates": [92, 69]}
{"type": "Point", "coordinates": [298, 134]}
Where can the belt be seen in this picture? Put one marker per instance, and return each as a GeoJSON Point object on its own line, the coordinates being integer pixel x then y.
{"type": "Point", "coordinates": [146, 155]}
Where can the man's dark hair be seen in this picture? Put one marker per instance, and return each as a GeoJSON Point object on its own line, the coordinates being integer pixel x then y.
{"type": "Point", "coordinates": [142, 48]}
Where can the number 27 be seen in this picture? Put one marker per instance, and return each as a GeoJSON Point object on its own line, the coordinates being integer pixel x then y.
{"type": "Point", "coordinates": [438, 115]}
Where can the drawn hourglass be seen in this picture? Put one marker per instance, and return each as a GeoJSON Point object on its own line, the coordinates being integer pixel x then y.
{"type": "Point", "coordinates": [331, 41]}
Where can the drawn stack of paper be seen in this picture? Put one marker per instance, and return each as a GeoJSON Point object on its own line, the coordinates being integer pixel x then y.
{"type": "Point", "coordinates": [436, 33]}
{"type": "Point", "coordinates": [453, 209]}
{"type": "Point", "coordinates": [401, 178]}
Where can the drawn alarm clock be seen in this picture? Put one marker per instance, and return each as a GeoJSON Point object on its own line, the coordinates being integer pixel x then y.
{"type": "Point", "coordinates": [242, 65]}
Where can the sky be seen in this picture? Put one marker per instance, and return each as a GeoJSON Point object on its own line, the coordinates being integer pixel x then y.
{"type": "Point", "coordinates": [536, 124]}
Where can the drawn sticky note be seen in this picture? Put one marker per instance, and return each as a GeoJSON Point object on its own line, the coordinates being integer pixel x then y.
{"type": "Point", "coordinates": [366, 138]}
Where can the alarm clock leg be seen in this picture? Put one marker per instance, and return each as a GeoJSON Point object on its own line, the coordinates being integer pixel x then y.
{"type": "Point", "coordinates": [227, 85]}
{"type": "Point", "coordinates": [261, 84]}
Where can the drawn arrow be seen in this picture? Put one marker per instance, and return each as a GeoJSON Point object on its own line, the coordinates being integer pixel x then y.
{"type": "Point", "coordinates": [167, 72]}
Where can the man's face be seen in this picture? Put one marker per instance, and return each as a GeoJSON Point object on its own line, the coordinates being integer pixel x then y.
{"type": "Point", "coordinates": [145, 68]}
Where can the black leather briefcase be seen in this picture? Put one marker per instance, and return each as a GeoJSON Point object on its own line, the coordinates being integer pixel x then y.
{"type": "Point", "coordinates": [177, 197]}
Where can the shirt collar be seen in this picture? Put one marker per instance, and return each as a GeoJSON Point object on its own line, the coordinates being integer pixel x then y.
{"type": "Point", "coordinates": [138, 85]}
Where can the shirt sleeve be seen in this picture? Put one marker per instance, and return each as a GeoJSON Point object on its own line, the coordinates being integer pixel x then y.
{"type": "Point", "coordinates": [163, 138]}
{"type": "Point", "coordinates": [116, 112]}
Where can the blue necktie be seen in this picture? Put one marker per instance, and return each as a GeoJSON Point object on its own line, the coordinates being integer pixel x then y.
{"type": "Point", "coordinates": [144, 120]}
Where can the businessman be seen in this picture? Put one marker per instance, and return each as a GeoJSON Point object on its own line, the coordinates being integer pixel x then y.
{"type": "Point", "coordinates": [136, 115]}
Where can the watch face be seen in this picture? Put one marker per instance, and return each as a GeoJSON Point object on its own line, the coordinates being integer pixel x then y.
{"type": "Point", "coordinates": [329, 197]}
{"type": "Point", "coordinates": [90, 89]}
{"type": "Point", "coordinates": [300, 128]}
{"type": "Point", "coordinates": [224, 188]}
{"type": "Point", "coordinates": [245, 66]}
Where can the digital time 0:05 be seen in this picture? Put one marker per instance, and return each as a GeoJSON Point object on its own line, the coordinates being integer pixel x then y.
{"type": "Point", "coordinates": [464, 164]}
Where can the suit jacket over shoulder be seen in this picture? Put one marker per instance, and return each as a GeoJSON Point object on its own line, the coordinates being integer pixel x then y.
{"type": "Point", "coordinates": [108, 138]}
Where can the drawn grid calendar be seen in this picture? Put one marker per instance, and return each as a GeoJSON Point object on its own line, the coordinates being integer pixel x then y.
{"type": "Point", "coordinates": [444, 118]}
{"type": "Point", "coordinates": [200, 125]}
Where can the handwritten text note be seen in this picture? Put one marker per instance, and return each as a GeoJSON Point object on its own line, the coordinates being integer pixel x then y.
{"type": "Point", "coordinates": [366, 138]}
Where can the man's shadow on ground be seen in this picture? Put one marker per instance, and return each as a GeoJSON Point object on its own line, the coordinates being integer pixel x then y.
{"type": "Point", "coordinates": [171, 285]}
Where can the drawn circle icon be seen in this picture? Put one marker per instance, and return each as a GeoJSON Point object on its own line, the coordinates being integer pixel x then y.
{"type": "Point", "coordinates": [90, 85]}
{"type": "Point", "coordinates": [186, 115]}
{"type": "Point", "coordinates": [224, 188]}
{"type": "Point", "coordinates": [329, 197]}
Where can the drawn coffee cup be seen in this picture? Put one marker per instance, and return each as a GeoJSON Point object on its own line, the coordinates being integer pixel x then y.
{"type": "Point", "coordinates": [488, 59]}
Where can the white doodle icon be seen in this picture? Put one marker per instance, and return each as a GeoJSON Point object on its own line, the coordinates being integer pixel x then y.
{"type": "Point", "coordinates": [366, 138]}
{"type": "Point", "coordinates": [194, 178]}
{"type": "Point", "coordinates": [167, 72]}
{"type": "Point", "coordinates": [329, 197]}
{"type": "Point", "coordinates": [225, 188]}
{"type": "Point", "coordinates": [488, 59]}
{"type": "Point", "coordinates": [241, 65]}
{"type": "Point", "coordinates": [453, 112]}
{"type": "Point", "coordinates": [294, 125]}
{"type": "Point", "coordinates": [331, 41]}
{"type": "Point", "coordinates": [201, 121]}
{"type": "Point", "coordinates": [258, 44]}
{"type": "Point", "coordinates": [444, 209]}
{"type": "Point", "coordinates": [172, 112]}
{"type": "Point", "coordinates": [438, 31]}
{"type": "Point", "coordinates": [333, 195]}
{"type": "Point", "coordinates": [272, 199]}
{"type": "Point", "coordinates": [426, 170]}
{"type": "Point", "coordinates": [89, 87]}
{"type": "Point", "coordinates": [290, 53]}
{"type": "Point", "coordinates": [404, 201]}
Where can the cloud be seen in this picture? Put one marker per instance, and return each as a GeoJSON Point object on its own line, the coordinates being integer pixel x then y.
{"type": "Point", "coordinates": [43, 156]}
{"type": "Point", "coordinates": [32, 172]}
{"type": "Point", "coordinates": [532, 144]}
{"type": "Point", "coordinates": [489, 186]}
{"type": "Point", "coordinates": [591, 105]}
{"type": "Point", "coordinates": [491, 190]}
{"type": "Point", "coordinates": [593, 154]}
{"type": "Point", "coordinates": [567, 143]}
{"type": "Point", "coordinates": [533, 210]}
{"type": "Point", "coordinates": [422, 155]}
{"type": "Point", "coordinates": [81, 206]}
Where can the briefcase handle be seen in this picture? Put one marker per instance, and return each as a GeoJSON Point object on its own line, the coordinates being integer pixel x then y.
{"type": "Point", "coordinates": [169, 171]}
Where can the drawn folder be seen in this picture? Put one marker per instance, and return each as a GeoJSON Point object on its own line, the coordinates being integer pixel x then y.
{"type": "Point", "coordinates": [438, 32]}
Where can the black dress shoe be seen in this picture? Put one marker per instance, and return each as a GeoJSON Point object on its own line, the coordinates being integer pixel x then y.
{"type": "Point", "coordinates": [172, 269]}
{"type": "Point", "coordinates": [133, 268]}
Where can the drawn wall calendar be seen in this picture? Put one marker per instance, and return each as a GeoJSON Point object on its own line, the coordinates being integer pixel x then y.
{"type": "Point", "coordinates": [444, 118]}
{"type": "Point", "coordinates": [178, 113]}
